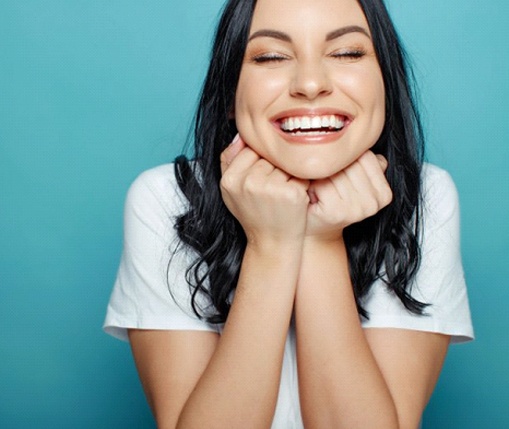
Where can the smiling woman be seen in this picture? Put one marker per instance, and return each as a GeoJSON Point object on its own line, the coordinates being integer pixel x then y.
{"type": "Point", "coordinates": [304, 269]}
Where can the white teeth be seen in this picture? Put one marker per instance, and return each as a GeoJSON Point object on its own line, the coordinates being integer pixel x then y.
{"type": "Point", "coordinates": [316, 122]}
{"type": "Point", "coordinates": [305, 123]}
{"type": "Point", "coordinates": [301, 123]}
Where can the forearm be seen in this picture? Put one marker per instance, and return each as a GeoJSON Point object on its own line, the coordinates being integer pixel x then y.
{"type": "Point", "coordinates": [340, 383]}
{"type": "Point", "coordinates": [240, 385]}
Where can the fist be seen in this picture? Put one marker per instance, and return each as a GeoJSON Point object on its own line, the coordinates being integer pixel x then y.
{"type": "Point", "coordinates": [350, 196]}
{"type": "Point", "coordinates": [268, 203]}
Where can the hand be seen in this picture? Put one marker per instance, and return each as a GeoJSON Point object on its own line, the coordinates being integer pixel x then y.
{"type": "Point", "coordinates": [268, 203]}
{"type": "Point", "coordinates": [352, 195]}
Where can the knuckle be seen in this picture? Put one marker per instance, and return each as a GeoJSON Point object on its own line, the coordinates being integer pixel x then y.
{"type": "Point", "coordinates": [389, 196]}
{"type": "Point", "coordinates": [298, 195]}
{"type": "Point", "coordinates": [222, 157]}
{"type": "Point", "coordinates": [369, 155]}
{"type": "Point", "coordinates": [372, 207]}
{"type": "Point", "coordinates": [385, 196]}
{"type": "Point", "coordinates": [227, 182]}
{"type": "Point", "coordinates": [292, 194]}
{"type": "Point", "coordinates": [252, 184]}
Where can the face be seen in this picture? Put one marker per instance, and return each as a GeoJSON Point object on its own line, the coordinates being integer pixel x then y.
{"type": "Point", "coordinates": [310, 97]}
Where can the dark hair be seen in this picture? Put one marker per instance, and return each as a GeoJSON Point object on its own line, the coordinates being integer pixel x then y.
{"type": "Point", "coordinates": [384, 246]}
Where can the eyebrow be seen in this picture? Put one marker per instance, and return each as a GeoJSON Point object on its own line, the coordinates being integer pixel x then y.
{"type": "Point", "coordinates": [345, 30]}
{"type": "Point", "coordinates": [275, 34]}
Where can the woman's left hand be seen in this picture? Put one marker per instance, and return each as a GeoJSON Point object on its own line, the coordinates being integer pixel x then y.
{"type": "Point", "coordinates": [350, 196]}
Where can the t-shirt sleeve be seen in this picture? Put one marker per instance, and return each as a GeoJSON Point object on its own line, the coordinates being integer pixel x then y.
{"type": "Point", "coordinates": [151, 291]}
{"type": "Point", "coordinates": [440, 280]}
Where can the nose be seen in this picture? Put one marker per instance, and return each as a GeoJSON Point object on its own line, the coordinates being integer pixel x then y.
{"type": "Point", "coordinates": [310, 80]}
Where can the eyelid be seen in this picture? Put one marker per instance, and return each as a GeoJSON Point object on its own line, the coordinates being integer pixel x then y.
{"type": "Point", "coordinates": [267, 49]}
{"type": "Point", "coordinates": [349, 53]}
{"type": "Point", "coordinates": [267, 57]}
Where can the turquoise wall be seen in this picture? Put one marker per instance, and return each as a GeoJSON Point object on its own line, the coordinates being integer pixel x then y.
{"type": "Point", "coordinates": [92, 93]}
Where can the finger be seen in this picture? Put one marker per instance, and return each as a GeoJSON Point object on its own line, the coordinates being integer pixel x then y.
{"type": "Point", "coordinates": [233, 149]}
{"type": "Point", "coordinates": [382, 161]}
{"type": "Point", "coordinates": [375, 167]}
{"type": "Point", "coordinates": [261, 170]}
{"type": "Point", "coordinates": [231, 152]}
{"type": "Point", "coordinates": [359, 181]}
{"type": "Point", "coordinates": [334, 188]}
{"type": "Point", "coordinates": [244, 160]}
{"type": "Point", "coordinates": [313, 198]}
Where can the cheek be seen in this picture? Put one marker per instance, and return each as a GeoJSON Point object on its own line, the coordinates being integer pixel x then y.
{"type": "Point", "coordinates": [379, 105]}
{"type": "Point", "coordinates": [379, 93]}
{"type": "Point", "coordinates": [366, 87]}
{"type": "Point", "coordinates": [242, 111]}
{"type": "Point", "coordinates": [241, 94]}
{"type": "Point", "coordinates": [254, 100]}
{"type": "Point", "coordinates": [247, 104]}
{"type": "Point", "coordinates": [257, 90]}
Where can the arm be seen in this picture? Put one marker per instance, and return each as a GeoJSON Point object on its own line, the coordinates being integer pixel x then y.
{"type": "Point", "coordinates": [169, 365]}
{"type": "Point", "coordinates": [240, 385]}
{"type": "Point", "coordinates": [200, 379]}
{"type": "Point", "coordinates": [196, 380]}
{"type": "Point", "coordinates": [348, 377]}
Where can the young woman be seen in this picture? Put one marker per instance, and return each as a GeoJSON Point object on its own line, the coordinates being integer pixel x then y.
{"type": "Point", "coordinates": [307, 274]}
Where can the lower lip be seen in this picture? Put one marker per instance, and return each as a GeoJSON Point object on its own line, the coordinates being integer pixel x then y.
{"type": "Point", "coordinates": [309, 138]}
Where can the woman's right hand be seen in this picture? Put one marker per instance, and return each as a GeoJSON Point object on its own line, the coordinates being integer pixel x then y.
{"type": "Point", "coordinates": [269, 204]}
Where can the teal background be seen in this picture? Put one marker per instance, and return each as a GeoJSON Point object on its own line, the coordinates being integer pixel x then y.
{"type": "Point", "coordinates": [92, 93]}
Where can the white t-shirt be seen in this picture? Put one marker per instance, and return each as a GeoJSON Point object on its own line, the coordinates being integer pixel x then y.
{"type": "Point", "coordinates": [151, 293]}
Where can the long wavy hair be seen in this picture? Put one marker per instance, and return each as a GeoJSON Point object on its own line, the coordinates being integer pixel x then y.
{"type": "Point", "coordinates": [384, 246]}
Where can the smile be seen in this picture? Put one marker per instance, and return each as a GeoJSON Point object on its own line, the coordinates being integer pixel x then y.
{"type": "Point", "coordinates": [314, 125]}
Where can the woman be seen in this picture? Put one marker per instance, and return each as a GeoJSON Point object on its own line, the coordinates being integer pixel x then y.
{"type": "Point", "coordinates": [314, 277]}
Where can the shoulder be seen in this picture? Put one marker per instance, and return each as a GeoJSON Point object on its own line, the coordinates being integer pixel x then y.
{"type": "Point", "coordinates": [437, 182]}
{"type": "Point", "coordinates": [152, 205]}
{"type": "Point", "coordinates": [439, 195]}
{"type": "Point", "coordinates": [151, 289]}
{"type": "Point", "coordinates": [154, 197]}
{"type": "Point", "coordinates": [156, 187]}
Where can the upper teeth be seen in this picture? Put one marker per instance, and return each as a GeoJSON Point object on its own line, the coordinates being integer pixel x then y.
{"type": "Point", "coordinates": [312, 122]}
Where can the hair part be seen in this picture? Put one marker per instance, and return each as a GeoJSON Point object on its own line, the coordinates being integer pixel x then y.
{"type": "Point", "coordinates": [384, 246]}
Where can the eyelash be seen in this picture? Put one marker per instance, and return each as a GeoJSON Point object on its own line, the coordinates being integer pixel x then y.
{"type": "Point", "coordinates": [355, 54]}
{"type": "Point", "coordinates": [265, 58]}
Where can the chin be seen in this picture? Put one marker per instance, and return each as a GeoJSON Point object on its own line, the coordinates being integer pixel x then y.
{"type": "Point", "coordinates": [311, 172]}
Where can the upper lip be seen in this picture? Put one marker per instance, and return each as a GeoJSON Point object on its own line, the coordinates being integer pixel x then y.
{"type": "Point", "coordinates": [299, 112]}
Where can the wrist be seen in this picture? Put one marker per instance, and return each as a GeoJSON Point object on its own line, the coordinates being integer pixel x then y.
{"type": "Point", "coordinates": [322, 252]}
{"type": "Point", "coordinates": [274, 260]}
{"type": "Point", "coordinates": [275, 247]}
{"type": "Point", "coordinates": [324, 266]}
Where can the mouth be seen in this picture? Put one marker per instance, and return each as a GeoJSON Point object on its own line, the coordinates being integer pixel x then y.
{"type": "Point", "coordinates": [312, 125]}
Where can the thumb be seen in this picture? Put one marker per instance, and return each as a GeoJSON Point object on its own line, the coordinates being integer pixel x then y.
{"type": "Point", "coordinates": [382, 161]}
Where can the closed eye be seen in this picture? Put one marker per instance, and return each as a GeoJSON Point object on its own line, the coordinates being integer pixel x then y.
{"type": "Point", "coordinates": [350, 54]}
{"type": "Point", "coordinates": [267, 58]}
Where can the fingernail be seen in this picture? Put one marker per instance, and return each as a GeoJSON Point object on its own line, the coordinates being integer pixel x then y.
{"type": "Point", "coordinates": [236, 139]}
{"type": "Point", "coordinates": [233, 149]}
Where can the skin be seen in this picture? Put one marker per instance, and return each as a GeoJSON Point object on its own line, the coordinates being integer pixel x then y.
{"type": "Point", "coordinates": [294, 197]}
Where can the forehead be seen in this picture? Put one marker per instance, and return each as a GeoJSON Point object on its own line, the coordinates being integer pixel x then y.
{"type": "Point", "coordinates": [304, 16]}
